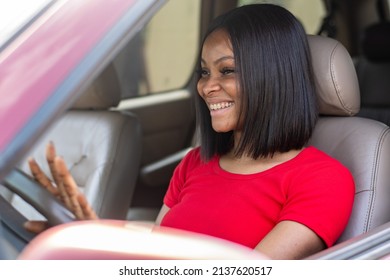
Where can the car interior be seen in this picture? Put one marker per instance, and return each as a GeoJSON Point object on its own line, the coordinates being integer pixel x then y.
{"type": "Point", "coordinates": [102, 148]}
{"type": "Point", "coordinates": [125, 135]}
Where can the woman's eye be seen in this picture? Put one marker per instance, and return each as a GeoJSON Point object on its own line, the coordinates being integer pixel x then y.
{"type": "Point", "coordinates": [203, 72]}
{"type": "Point", "coordinates": [227, 71]}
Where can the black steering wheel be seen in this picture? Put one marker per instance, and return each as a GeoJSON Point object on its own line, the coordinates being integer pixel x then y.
{"type": "Point", "coordinates": [11, 220]}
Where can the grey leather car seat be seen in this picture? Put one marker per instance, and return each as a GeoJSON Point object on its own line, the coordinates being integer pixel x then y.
{"type": "Point", "coordinates": [373, 70]}
{"type": "Point", "coordinates": [101, 147]}
{"type": "Point", "coordinates": [362, 145]}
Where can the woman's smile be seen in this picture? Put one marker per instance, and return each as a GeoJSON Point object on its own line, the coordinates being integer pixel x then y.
{"type": "Point", "coordinates": [218, 83]}
{"type": "Point", "coordinates": [219, 106]}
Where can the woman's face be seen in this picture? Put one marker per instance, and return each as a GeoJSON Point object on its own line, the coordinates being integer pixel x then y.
{"type": "Point", "coordinates": [218, 85]}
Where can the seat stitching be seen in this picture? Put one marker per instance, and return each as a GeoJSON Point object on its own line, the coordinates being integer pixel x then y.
{"type": "Point", "coordinates": [333, 75]}
{"type": "Point", "coordinates": [372, 197]}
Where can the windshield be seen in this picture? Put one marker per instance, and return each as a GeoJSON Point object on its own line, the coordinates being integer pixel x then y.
{"type": "Point", "coordinates": [16, 14]}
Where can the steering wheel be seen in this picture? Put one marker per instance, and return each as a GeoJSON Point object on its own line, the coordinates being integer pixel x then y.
{"type": "Point", "coordinates": [108, 233]}
{"type": "Point", "coordinates": [44, 202]}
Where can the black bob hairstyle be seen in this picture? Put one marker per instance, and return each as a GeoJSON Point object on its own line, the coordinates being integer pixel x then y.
{"type": "Point", "coordinates": [275, 76]}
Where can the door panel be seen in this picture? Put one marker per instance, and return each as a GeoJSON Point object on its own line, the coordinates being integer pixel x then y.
{"type": "Point", "coordinates": [168, 123]}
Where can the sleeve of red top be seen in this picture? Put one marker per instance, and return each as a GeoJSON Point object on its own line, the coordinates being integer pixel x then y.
{"type": "Point", "coordinates": [179, 177]}
{"type": "Point", "coordinates": [322, 200]}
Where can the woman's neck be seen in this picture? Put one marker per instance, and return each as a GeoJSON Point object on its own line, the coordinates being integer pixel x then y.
{"type": "Point", "coordinates": [247, 165]}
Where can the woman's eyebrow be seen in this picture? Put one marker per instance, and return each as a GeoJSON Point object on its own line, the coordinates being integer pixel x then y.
{"type": "Point", "coordinates": [222, 58]}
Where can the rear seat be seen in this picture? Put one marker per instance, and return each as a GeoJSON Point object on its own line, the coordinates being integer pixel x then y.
{"type": "Point", "coordinates": [373, 70]}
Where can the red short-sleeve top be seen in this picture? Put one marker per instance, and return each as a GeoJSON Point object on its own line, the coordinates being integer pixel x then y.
{"type": "Point", "coordinates": [312, 189]}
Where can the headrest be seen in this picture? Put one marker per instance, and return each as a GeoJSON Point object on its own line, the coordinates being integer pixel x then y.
{"type": "Point", "coordinates": [376, 42]}
{"type": "Point", "coordinates": [335, 76]}
{"type": "Point", "coordinates": [103, 93]}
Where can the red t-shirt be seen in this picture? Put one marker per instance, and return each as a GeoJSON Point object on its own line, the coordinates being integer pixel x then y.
{"type": "Point", "coordinates": [312, 189]}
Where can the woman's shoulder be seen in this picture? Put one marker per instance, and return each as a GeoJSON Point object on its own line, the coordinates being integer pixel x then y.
{"type": "Point", "coordinates": [193, 154]}
{"type": "Point", "coordinates": [318, 161]}
{"type": "Point", "coordinates": [318, 173]}
{"type": "Point", "coordinates": [192, 163]}
{"type": "Point", "coordinates": [192, 158]}
{"type": "Point", "coordinates": [314, 155]}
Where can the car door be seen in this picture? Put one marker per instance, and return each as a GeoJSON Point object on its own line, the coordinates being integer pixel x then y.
{"type": "Point", "coordinates": [156, 71]}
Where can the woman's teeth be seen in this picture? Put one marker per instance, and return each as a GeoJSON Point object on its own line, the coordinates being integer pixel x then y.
{"type": "Point", "coordinates": [222, 105]}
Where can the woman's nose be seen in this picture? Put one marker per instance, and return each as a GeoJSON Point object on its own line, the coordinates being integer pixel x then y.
{"type": "Point", "coordinates": [211, 85]}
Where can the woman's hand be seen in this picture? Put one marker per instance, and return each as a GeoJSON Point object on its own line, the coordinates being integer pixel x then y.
{"type": "Point", "coordinates": [64, 188]}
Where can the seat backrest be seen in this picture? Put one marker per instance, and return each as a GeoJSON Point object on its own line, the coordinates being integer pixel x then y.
{"type": "Point", "coordinates": [362, 145]}
{"type": "Point", "coordinates": [373, 70]}
{"type": "Point", "coordinates": [101, 147]}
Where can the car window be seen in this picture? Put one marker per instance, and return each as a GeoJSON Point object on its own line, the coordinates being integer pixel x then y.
{"type": "Point", "coordinates": [162, 55]}
{"type": "Point", "coordinates": [309, 12]}
{"type": "Point", "coordinates": [15, 14]}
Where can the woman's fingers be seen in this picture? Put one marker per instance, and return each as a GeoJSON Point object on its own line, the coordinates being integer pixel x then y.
{"type": "Point", "coordinates": [36, 226]}
{"type": "Point", "coordinates": [66, 188]}
{"type": "Point", "coordinates": [71, 190]}
{"type": "Point", "coordinates": [40, 177]}
{"type": "Point", "coordinates": [78, 203]}
{"type": "Point", "coordinates": [50, 157]}
{"type": "Point", "coordinates": [88, 212]}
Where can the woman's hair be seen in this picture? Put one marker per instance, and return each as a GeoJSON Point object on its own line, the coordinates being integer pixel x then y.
{"type": "Point", "coordinates": [276, 84]}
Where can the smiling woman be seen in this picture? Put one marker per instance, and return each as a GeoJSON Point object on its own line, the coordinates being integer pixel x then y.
{"type": "Point", "coordinates": [252, 181]}
{"type": "Point", "coordinates": [218, 74]}
{"type": "Point", "coordinates": [227, 195]}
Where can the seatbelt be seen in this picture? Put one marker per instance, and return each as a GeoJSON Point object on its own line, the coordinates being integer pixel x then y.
{"type": "Point", "coordinates": [11, 223]}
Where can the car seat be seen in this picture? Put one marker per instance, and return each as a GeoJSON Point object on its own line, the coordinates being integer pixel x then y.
{"type": "Point", "coordinates": [102, 148]}
{"type": "Point", "coordinates": [362, 145]}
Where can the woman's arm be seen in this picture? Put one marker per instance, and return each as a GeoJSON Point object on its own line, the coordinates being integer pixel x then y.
{"type": "Point", "coordinates": [290, 240]}
{"type": "Point", "coordinates": [161, 214]}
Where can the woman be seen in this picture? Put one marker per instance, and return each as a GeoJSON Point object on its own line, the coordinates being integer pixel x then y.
{"type": "Point", "coordinates": [252, 180]}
